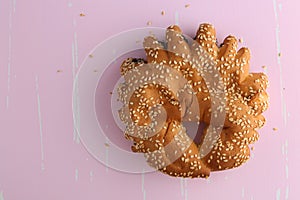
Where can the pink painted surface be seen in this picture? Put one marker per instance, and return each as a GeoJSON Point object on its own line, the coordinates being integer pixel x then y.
{"type": "Point", "coordinates": [41, 159]}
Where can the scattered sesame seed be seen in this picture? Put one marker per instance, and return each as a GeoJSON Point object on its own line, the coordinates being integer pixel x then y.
{"type": "Point", "coordinates": [187, 5]}
{"type": "Point", "coordinates": [81, 14]}
{"type": "Point", "coordinates": [241, 40]}
{"type": "Point", "coordinates": [91, 55]}
{"type": "Point", "coordinates": [106, 144]}
{"type": "Point", "coordinates": [59, 70]}
{"type": "Point", "coordinates": [162, 12]}
{"type": "Point", "coordinates": [149, 23]}
{"type": "Point", "coordinates": [275, 129]}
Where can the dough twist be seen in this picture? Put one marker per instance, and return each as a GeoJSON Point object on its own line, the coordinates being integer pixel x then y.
{"type": "Point", "coordinates": [183, 83]}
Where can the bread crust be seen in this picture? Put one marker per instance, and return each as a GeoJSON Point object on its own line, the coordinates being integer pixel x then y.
{"type": "Point", "coordinates": [170, 149]}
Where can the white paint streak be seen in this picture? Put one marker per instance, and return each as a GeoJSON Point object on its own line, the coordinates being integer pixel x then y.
{"type": "Point", "coordinates": [284, 113]}
{"type": "Point", "coordinates": [40, 121]}
{"type": "Point", "coordinates": [1, 195]}
{"type": "Point", "coordinates": [283, 104]}
{"type": "Point", "coordinates": [144, 195]}
{"type": "Point", "coordinates": [280, 7]}
{"type": "Point", "coordinates": [76, 174]}
{"type": "Point", "coordinates": [243, 192]}
{"type": "Point", "coordinates": [185, 190]}
{"type": "Point", "coordinates": [287, 190]}
{"type": "Point", "coordinates": [143, 180]}
{"type": "Point", "coordinates": [176, 18]}
{"type": "Point", "coordinates": [286, 150]}
{"type": "Point", "coordinates": [76, 129]}
{"type": "Point", "coordinates": [286, 171]}
{"type": "Point", "coordinates": [278, 42]}
{"type": "Point", "coordinates": [91, 176]}
{"type": "Point", "coordinates": [282, 149]}
{"type": "Point", "coordinates": [181, 187]}
{"type": "Point", "coordinates": [275, 9]}
{"type": "Point", "coordinates": [278, 194]}
{"type": "Point", "coordinates": [143, 185]}
{"type": "Point", "coordinates": [14, 5]}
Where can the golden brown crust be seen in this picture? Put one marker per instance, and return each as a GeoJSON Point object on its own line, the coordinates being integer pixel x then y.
{"type": "Point", "coordinates": [170, 149]}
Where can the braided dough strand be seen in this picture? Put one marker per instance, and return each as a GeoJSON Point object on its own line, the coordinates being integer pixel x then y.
{"type": "Point", "coordinates": [198, 82]}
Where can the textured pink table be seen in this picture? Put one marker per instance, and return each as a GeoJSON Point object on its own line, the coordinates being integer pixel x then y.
{"type": "Point", "coordinates": [40, 158]}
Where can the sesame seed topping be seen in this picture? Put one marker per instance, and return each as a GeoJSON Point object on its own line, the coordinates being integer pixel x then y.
{"type": "Point", "coordinates": [177, 80]}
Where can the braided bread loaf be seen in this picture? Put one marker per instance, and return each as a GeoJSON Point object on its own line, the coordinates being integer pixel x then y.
{"type": "Point", "coordinates": [192, 81]}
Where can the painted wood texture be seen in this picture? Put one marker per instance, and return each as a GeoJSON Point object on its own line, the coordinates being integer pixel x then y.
{"type": "Point", "coordinates": [43, 43]}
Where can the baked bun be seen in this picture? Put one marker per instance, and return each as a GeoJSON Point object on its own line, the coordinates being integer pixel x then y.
{"type": "Point", "coordinates": [195, 81]}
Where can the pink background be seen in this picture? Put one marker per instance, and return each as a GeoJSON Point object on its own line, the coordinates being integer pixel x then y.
{"type": "Point", "coordinates": [41, 158]}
